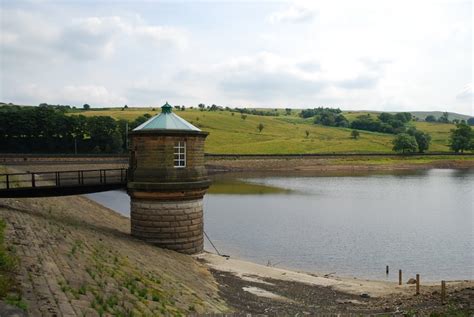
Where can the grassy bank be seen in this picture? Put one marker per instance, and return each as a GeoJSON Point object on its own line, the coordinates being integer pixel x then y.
{"type": "Point", "coordinates": [285, 134]}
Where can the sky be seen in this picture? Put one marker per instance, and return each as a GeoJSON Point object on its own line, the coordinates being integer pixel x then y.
{"type": "Point", "coordinates": [385, 55]}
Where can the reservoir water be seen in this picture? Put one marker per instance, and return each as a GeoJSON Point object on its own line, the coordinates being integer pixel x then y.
{"type": "Point", "coordinates": [353, 225]}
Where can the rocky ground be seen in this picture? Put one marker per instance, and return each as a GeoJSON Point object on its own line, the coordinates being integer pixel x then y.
{"type": "Point", "coordinates": [256, 289]}
{"type": "Point", "coordinates": [276, 297]}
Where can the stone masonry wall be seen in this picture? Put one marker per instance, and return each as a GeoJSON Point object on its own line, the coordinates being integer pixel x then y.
{"type": "Point", "coordinates": [175, 225]}
{"type": "Point", "coordinates": [154, 158]}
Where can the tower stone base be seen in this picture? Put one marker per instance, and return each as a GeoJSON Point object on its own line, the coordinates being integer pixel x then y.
{"type": "Point", "coordinates": [174, 224]}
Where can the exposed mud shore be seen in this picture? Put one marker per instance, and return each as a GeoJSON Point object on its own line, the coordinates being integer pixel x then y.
{"type": "Point", "coordinates": [337, 163]}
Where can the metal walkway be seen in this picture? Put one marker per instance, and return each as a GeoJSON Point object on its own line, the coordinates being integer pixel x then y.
{"type": "Point", "coordinates": [61, 183]}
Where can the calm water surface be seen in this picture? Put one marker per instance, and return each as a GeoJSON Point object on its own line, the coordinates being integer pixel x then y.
{"type": "Point", "coordinates": [353, 225]}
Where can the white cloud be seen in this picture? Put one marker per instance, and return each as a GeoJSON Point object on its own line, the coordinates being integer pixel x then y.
{"type": "Point", "coordinates": [91, 94]}
{"type": "Point", "coordinates": [161, 35]}
{"type": "Point", "coordinates": [95, 37]}
{"type": "Point", "coordinates": [82, 38]}
{"type": "Point", "coordinates": [267, 78]}
{"type": "Point", "coordinates": [466, 93]}
{"type": "Point", "coordinates": [365, 54]}
{"type": "Point", "coordinates": [24, 34]}
{"type": "Point", "coordinates": [293, 14]}
{"type": "Point", "coordinates": [95, 95]}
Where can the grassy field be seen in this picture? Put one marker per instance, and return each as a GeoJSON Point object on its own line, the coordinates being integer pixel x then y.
{"type": "Point", "coordinates": [229, 133]}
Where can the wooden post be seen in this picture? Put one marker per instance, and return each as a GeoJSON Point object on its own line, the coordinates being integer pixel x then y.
{"type": "Point", "coordinates": [417, 284]}
{"type": "Point", "coordinates": [399, 277]}
{"type": "Point", "coordinates": [443, 292]}
{"type": "Point", "coordinates": [386, 270]}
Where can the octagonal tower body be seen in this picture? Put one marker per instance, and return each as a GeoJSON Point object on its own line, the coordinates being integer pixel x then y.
{"type": "Point", "coordinates": [167, 182]}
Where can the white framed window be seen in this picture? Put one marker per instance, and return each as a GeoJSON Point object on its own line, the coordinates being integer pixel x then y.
{"type": "Point", "coordinates": [180, 154]}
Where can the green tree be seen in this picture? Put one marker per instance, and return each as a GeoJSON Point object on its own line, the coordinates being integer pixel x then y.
{"type": "Point", "coordinates": [243, 116]}
{"type": "Point", "coordinates": [104, 131]}
{"type": "Point", "coordinates": [404, 143]}
{"type": "Point", "coordinates": [423, 139]}
{"type": "Point", "coordinates": [444, 118]}
{"type": "Point", "coordinates": [307, 133]}
{"type": "Point", "coordinates": [115, 143]}
{"type": "Point", "coordinates": [260, 127]}
{"type": "Point", "coordinates": [86, 107]}
{"type": "Point", "coordinates": [139, 120]}
{"type": "Point", "coordinates": [430, 118]}
{"type": "Point", "coordinates": [462, 138]}
{"type": "Point", "coordinates": [355, 134]}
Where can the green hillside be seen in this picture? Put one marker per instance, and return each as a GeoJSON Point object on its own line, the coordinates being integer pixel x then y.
{"type": "Point", "coordinates": [421, 115]}
{"type": "Point", "coordinates": [229, 133]}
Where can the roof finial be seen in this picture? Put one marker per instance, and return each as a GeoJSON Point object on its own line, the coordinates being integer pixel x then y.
{"type": "Point", "coordinates": [166, 108]}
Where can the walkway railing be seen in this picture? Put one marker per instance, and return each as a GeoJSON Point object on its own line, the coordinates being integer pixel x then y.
{"type": "Point", "coordinates": [80, 181]}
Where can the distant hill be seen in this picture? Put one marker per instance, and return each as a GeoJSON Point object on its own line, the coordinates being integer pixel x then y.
{"type": "Point", "coordinates": [231, 133]}
{"type": "Point", "coordinates": [452, 115]}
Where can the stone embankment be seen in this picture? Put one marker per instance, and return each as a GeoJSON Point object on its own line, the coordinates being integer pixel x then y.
{"type": "Point", "coordinates": [78, 258]}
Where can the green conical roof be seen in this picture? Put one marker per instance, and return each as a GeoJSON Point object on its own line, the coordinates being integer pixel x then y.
{"type": "Point", "coordinates": [166, 120]}
{"type": "Point", "coordinates": [166, 108]}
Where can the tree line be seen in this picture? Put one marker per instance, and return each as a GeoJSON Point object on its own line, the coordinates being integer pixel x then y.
{"type": "Point", "coordinates": [460, 140]}
{"type": "Point", "coordinates": [384, 122]}
{"type": "Point", "coordinates": [47, 129]}
{"type": "Point", "coordinates": [407, 138]}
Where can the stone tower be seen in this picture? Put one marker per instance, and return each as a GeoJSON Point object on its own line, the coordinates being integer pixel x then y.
{"type": "Point", "coordinates": [167, 182]}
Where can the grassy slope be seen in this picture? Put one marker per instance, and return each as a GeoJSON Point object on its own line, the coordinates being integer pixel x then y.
{"type": "Point", "coordinates": [423, 114]}
{"type": "Point", "coordinates": [283, 134]}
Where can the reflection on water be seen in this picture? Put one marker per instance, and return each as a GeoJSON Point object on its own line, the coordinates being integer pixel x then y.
{"type": "Point", "coordinates": [353, 225]}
